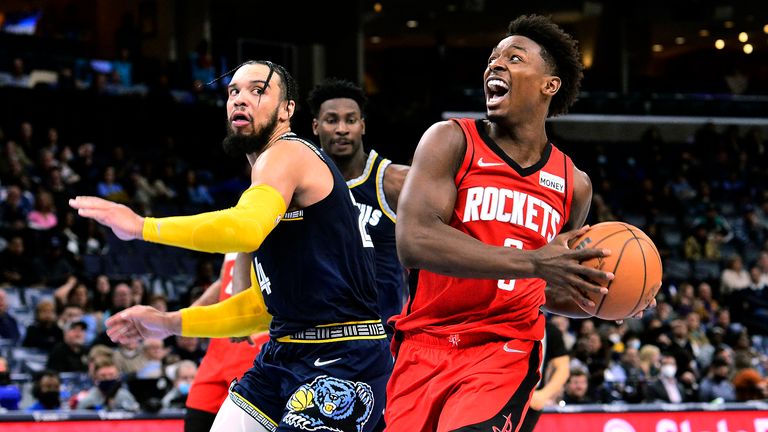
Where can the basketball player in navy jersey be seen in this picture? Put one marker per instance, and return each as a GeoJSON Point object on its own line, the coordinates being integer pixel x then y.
{"type": "Point", "coordinates": [327, 361]}
{"type": "Point", "coordinates": [481, 216]}
{"type": "Point", "coordinates": [338, 108]}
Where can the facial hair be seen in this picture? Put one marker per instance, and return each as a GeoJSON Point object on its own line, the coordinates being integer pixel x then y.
{"type": "Point", "coordinates": [237, 144]}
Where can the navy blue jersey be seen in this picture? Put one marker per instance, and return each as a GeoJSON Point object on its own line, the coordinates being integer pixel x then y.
{"type": "Point", "coordinates": [368, 190]}
{"type": "Point", "coordinates": [317, 266]}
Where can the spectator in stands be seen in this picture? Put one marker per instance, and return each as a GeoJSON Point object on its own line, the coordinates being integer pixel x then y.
{"type": "Point", "coordinates": [734, 277]}
{"type": "Point", "coordinates": [69, 356]}
{"type": "Point", "coordinates": [153, 353]}
{"type": "Point", "coordinates": [128, 358]}
{"type": "Point", "coordinates": [12, 158]}
{"type": "Point", "coordinates": [563, 324]}
{"type": "Point", "coordinates": [17, 77]}
{"type": "Point", "coordinates": [93, 240]}
{"type": "Point", "coordinates": [43, 333]}
{"type": "Point", "coordinates": [70, 236]}
{"type": "Point", "coordinates": [756, 280]}
{"type": "Point", "coordinates": [186, 348]}
{"type": "Point", "coordinates": [68, 175]}
{"type": "Point", "coordinates": [16, 268]}
{"type": "Point", "coordinates": [108, 392]}
{"type": "Point", "coordinates": [159, 302]}
{"type": "Point", "coordinates": [749, 230]}
{"type": "Point", "coordinates": [13, 212]}
{"type": "Point", "coordinates": [666, 388]}
{"type": "Point", "coordinates": [196, 194]}
{"type": "Point", "coordinates": [749, 385]}
{"type": "Point", "coordinates": [85, 165]}
{"type": "Point", "coordinates": [699, 245]}
{"type": "Point", "coordinates": [101, 295]}
{"type": "Point", "coordinates": [69, 313]}
{"type": "Point", "coordinates": [54, 263]}
{"type": "Point", "coordinates": [577, 388]}
{"type": "Point", "coordinates": [705, 305]}
{"type": "Point", "coordinates": [9, 327]}
{"type": "Point", "coordinates": [47, 392]}
{"type": "Point", "coordinates": [139, 292]}
{"type": "Point", "coordinates": [10, 394]}
{"type": "Point", "coordinates": [684, 299]}
{"type": "Point", "coordinates": [109, 188]}
{"type": "Point", "coordinates": [121, 299]}
{"type": "Point", "coordinates": [184, 374]}
{"type": "Point", "coordinates": [717, 385]}
{"type": "Point", "coordinates": [697, 335]}
{"type": "Point", "coordinates": [650, 361]}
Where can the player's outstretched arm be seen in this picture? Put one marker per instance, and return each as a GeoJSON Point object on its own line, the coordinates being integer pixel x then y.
{"type": "Point", "coordinates": [240, 315]}
{"type": "Point", "coordinates": [426, 240]}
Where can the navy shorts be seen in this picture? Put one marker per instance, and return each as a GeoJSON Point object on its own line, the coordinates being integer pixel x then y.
{"type": "Point", "coordinates": [301, 386]}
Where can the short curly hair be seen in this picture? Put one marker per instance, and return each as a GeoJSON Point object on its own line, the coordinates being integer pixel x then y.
{"type": "Point", "coordinates": [334, 88]}
{"type": "Point", "coordinates": [560, 51]}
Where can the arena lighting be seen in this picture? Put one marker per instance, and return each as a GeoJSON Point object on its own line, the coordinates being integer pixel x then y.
{"type": "Point", "coordinates": [375, 39]}
{"type": "Point", "coordinates": [748, 48]}
{"type": "Point", "coordinates": [657, 48]}
{"type": "Point", "coordinates": [679, 40]}
{"type": "Point", "coordinates": [703, 32]}
{"type": "Point", "coordinates": [719, 44]}
{"type": "Point", "coordinates": [743, 37]}
{"type": "Point", "coordinates": [765, 28]}
{"type": "Point", "coordinates": [728, 24]}
{"type": "Point", "coordinates": [377, 7]}
{"type": "Point", "coordinates": [411, 23]}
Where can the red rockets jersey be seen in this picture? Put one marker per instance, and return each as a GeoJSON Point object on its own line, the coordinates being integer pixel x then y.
{"type": "Point", "coordinates": [502, 204]}
{"type": "Point", "coordinates": [228, 267]}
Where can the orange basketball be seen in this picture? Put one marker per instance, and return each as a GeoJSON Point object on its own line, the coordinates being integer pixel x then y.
{"type": "Point", "coordinates": [635, 262]}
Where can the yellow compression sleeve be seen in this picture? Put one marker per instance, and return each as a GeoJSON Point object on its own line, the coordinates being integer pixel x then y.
{"type": "Point", "coordinates": [241, 228]}
{"type": "Point", "coordinates": [239, 315]}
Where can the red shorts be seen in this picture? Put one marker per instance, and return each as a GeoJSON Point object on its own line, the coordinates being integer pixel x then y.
{"type": "Point", "coordinates": [436, 386]}
{"type": "Point", "coordinates": [223, 362]}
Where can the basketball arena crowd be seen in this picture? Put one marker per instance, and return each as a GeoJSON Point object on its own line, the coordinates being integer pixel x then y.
{"type": "Point", "coordinates": [703, 201]}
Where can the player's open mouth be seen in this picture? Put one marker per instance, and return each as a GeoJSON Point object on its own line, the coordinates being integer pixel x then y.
{"type": "Point", "coordinates": [240, 119]}
{"type": "Point", "coordinates": [496, 89]}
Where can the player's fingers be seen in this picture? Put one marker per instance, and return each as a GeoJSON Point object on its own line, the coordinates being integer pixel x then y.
{"type": "Point", "coordinates": [597, 276]}
{"type": "Point", "coordinates": [97, 214]}
{"type": "Point", "coordinates": [89, 202]}
{"type": "Point", "coordinates": [589, 253]}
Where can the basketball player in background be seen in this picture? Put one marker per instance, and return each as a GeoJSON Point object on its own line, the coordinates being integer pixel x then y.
{"type": "Point", "coordinates": [225, 359]}
{"type": "Point", "coordinates": [481, 216]}
{"type": "Point", "coordinates": [338, 111]}
{"type": "Point", "coordinates": [327, 361]}
{"type": "Point", "coordinates": [555, 370]}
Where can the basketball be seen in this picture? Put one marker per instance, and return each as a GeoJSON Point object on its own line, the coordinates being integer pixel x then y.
{"type": "Point", "coordinates": [635, 262]}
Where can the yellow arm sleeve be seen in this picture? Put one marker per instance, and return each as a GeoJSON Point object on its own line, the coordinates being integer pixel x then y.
{"type": "Point", "coordinates": [241, 228]}
{"type": "Point", "coordinates": [239, 315]}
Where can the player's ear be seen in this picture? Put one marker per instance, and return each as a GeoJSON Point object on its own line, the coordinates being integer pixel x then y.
{"type": "Point", "coordinates": [551, 85]}
{"type": "Point", "coordinates": [315, 124]}
{"type": "Point", "coordinates": [362, 123]}
{"type": "Point", "coordinates": [290, 108]}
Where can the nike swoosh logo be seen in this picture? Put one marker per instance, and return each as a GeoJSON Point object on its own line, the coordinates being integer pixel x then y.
{"type": "Point", "coordinates": [319, 363]}
{"type": "Point", "coordinates": [482, 163]}
{"type": "Point", "coordinates": [512, 350]}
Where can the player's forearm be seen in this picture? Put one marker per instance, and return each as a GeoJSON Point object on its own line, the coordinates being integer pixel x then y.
{"type": "Point", "coordinates": [440, 248]}
{"type": "Point", "coordinates": [239, 229]}
{"type": "Point", "coordinates": [210, 295]}
{"type": "Point", "coordinates": [558, 378]}
{"type": "Point", "coordinates": [240, 315]}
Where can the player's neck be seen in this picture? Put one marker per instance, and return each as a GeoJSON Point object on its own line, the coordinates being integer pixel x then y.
{"type": "Point", "coordinates": [523, 142]}
{"type": "Point", "coordinates": [353, 166]}
{"type": "Point", "coordinates": [280, 130]}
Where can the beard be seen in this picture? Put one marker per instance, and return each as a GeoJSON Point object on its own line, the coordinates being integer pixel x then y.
{"type": "Point", "coordinates": [237, 144]}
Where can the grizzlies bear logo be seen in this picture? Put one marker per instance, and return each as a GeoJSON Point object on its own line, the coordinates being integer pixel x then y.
{"type": "Point", "coordinates": [332, 404]}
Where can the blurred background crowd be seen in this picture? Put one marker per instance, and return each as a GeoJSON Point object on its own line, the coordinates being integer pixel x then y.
{"type": "Point", "coordinates": [120, 106]}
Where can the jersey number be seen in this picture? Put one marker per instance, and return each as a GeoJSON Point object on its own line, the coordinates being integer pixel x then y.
{"type": "Point", "coordinates": [509, 284]}
{"type": "Point", "coordinates": [261, 277]}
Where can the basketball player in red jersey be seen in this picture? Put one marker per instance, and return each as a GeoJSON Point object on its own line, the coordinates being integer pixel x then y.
{"type": "Point", "coordinates": [481, 215]}
{"type": "Point", "coordinates": [225, 360]}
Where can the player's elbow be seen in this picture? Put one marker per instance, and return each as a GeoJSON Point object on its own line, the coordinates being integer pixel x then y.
{"type": "Point", "coordinates": [411, 247]}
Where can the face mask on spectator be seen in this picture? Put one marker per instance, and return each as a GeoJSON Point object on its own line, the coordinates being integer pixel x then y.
{"type": "Point", "coordinates": [109, 387]}
{"type": "Point", "coordinates": [184, 388]}
{"type": "Point", "coordinates": [669, 371]}
{"type": "Point", "coordinates": [50, 399]}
